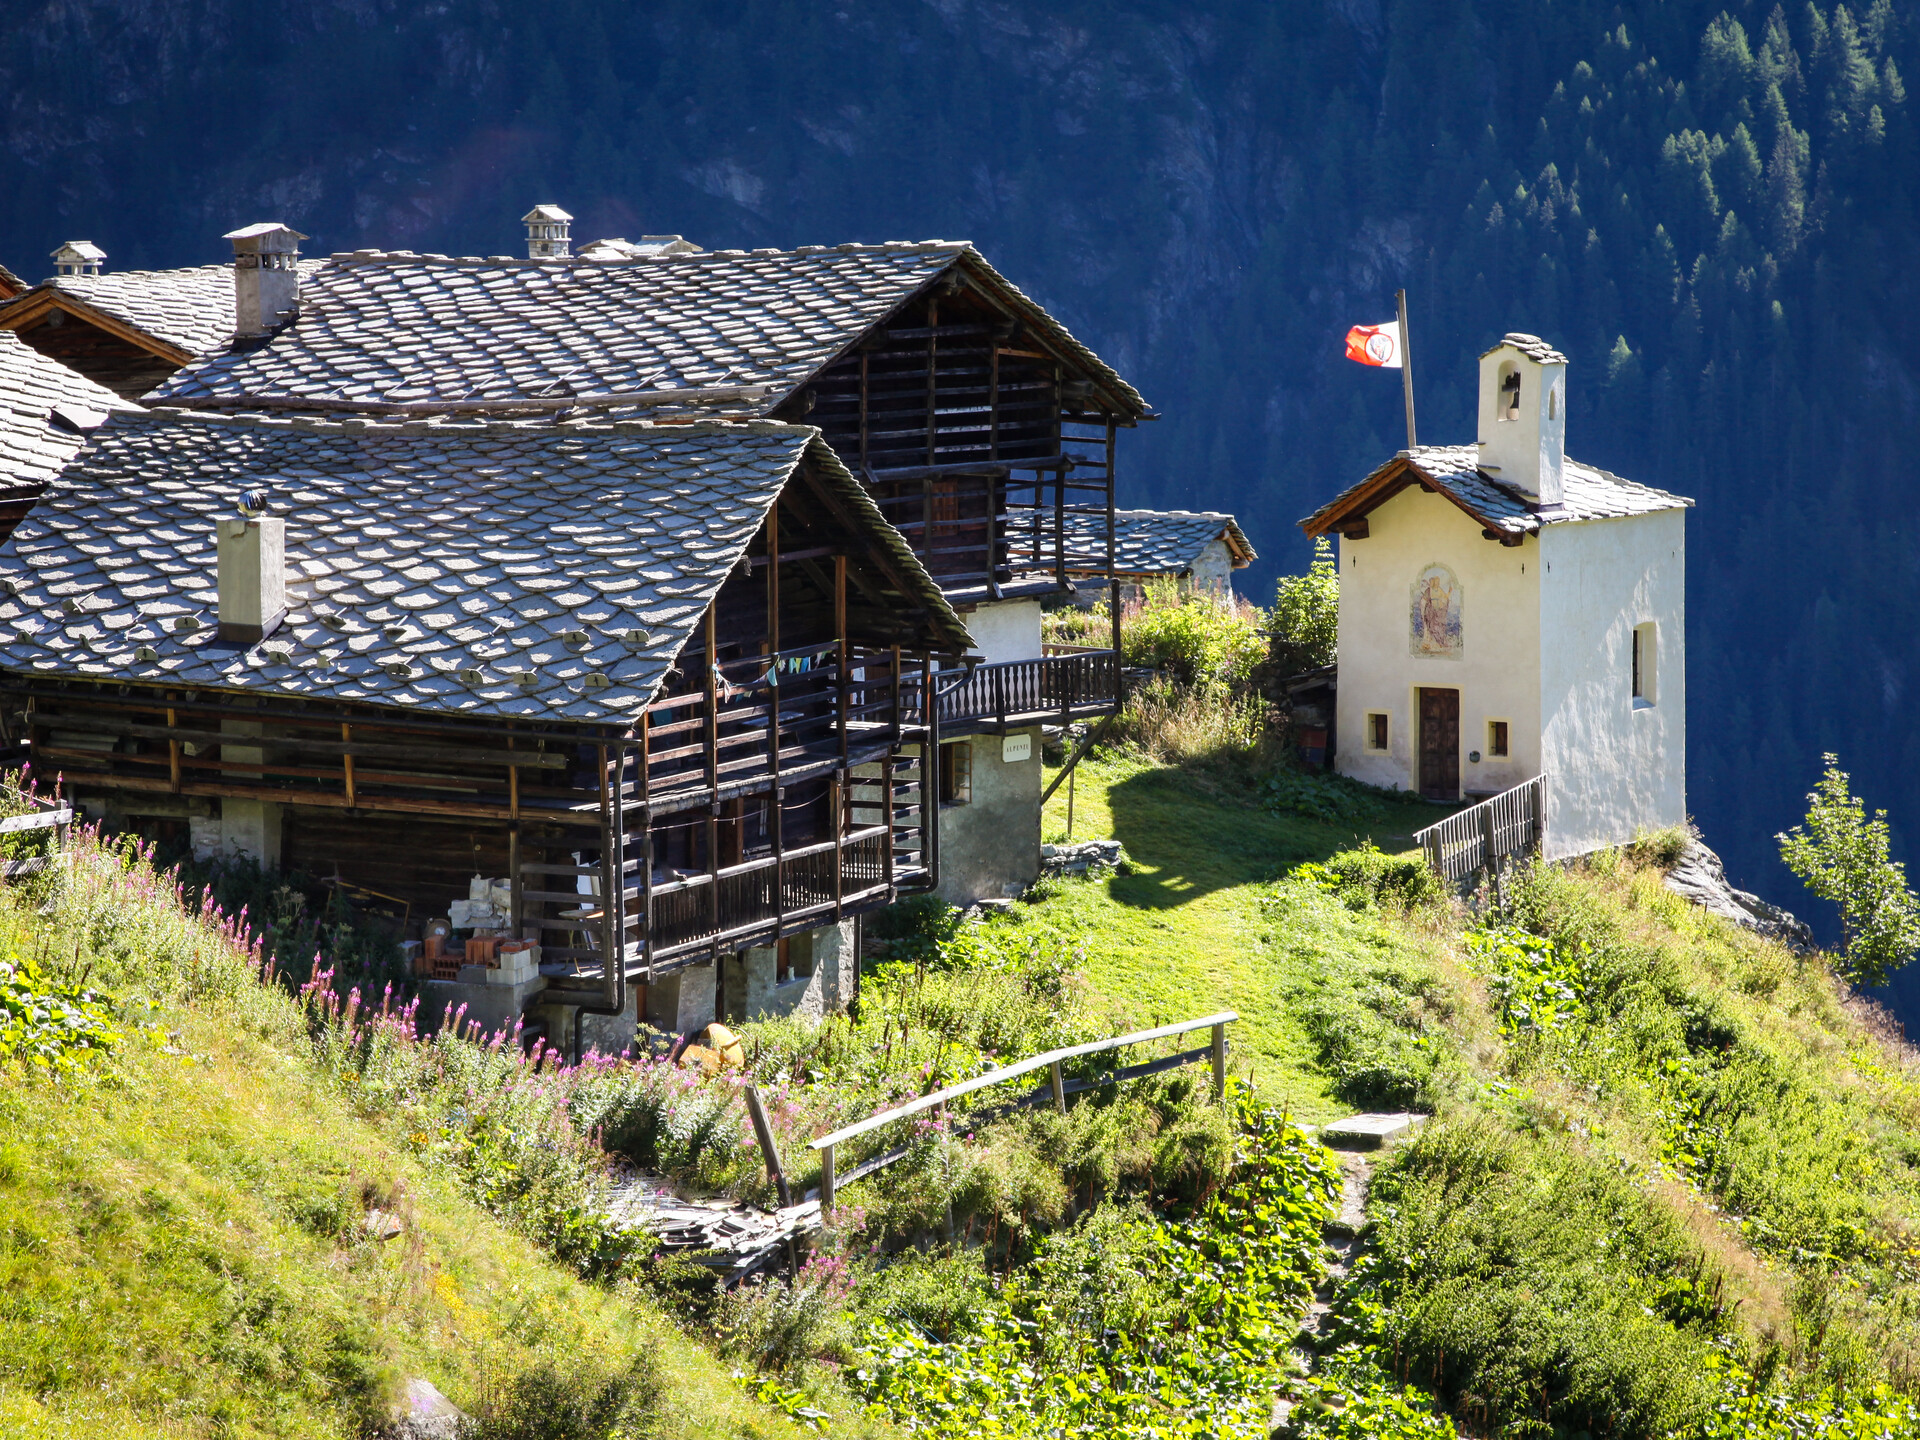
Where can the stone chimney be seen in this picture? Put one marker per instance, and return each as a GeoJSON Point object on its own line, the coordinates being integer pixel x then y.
{"type": "Point", "coordinates": [548, 233]}
{"type": "Point", "coordinates": [266, 276]}
{"type": "Point", "coordinates": [78, 257]}
{"type": "Point", "coordinates": [1523, 418]}
{"type": "Point", "coordinates": [252, 554]}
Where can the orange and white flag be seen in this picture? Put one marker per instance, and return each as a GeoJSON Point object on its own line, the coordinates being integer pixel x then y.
{"type": "Point", "coordinates": [1376, 345]}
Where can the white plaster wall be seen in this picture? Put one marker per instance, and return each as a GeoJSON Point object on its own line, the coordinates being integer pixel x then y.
{"type": "Point", "coordinates": [1614, 769]}
{"type": "Point", "coordinates": [1498, 673]}
{"type": "Point", "coordinates": [1005, 629]}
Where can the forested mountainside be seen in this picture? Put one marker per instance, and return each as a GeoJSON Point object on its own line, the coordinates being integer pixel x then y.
{"type": "Point", "coordinates": [1708, 206]}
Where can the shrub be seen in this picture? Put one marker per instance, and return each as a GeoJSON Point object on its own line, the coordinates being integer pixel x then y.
{"type": "Point", "coordinates": [1305, 623]}
{"type": "Point", "coordinates": [1661, 848]}
{"type": "Point", "coordinates": [1368, 873]}
{"type": "Point", "coordinates": [1333, 799]}
{"type": "Point", "coordinates": [1844, 857]}
{"type": "Point", "coordinates": [1198, 640]}
{"type": "Point", "coordinates": [577, 1398]}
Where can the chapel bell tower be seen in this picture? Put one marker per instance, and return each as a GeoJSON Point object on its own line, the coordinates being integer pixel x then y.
{"type": "Point", "coordinates": [1523, 417]}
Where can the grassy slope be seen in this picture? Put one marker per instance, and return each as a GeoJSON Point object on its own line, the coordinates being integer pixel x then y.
{"type": "Point", "coordinates": [1764, 1113]}
{"type": "Point", "coordinates": [182, 1253]}
{"type": "Point", "coordinates": [1190, 929]}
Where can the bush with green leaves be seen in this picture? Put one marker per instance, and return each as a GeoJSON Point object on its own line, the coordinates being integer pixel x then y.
{"type": "Point", "coordinates": [1305, 621]}
{"type": "Point", "coordinates": [52, 1026]}
{"type": "Point", "coordinates": [1333, 799]}
{"type": "Point", "coordinates": [1197, 639]}
{"type": "Point", "coordinates": [1844, 857]}
{"type": "Point", "coordinates": [1366, 874]}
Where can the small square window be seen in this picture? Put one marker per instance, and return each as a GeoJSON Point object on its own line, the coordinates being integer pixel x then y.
{"type": "Point", "coordinates": [956, 773]}
{"type": "Point", "coordinates": [1496, 737]}
{"type": "Point", "coordinates": [1376, 730]}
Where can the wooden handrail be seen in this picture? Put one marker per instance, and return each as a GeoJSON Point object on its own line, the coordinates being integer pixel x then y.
{"type": "Point", "coordinates": [1510, 823]}
{"type": "Point", "coordinates": [1049, 1060]}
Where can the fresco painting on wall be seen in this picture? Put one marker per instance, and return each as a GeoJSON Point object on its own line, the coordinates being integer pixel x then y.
{"type": "Point", "coordinates": [1437, 600]}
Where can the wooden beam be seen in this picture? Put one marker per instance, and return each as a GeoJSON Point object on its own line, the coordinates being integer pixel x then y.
{"type": "Point", "coordinates": [21, 313]}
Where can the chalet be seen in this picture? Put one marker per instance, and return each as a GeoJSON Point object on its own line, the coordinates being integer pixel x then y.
{"type": "Point", "coordinates": [10, 284]}
{"type": "Point", "coordinates": [640, 709]}
{"type": "Point", "coordinates": [1508, 613]}
{"type": "Point", "coordinates": [126, 331]}
{"type": "Point", "coordinates": [1199, 550]}
{"type": "Point", "coordinates": [979, 426]}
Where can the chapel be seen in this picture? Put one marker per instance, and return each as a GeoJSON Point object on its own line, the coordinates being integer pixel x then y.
{"type": "Point", "coordinates": [1508, 613]}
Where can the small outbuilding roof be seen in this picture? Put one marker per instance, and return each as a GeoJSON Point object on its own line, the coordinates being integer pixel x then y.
{"type": "Point", "coordinates": [1153, 542]}
{"type": "Point", "coordinates": [179, 314]}
{"type": "Point", "coordinates": [377, 326]}
{"type": "Point", "coordinates": [1453, 471]}
{"type": "Point", "coordinates": [46, 414]}
{"type": "Point", "coordinates": [474, 568]}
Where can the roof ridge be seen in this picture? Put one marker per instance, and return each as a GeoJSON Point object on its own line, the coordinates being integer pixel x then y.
{"type": "Point", "coordinates": [467, 425]}
{"type": "Point", "coordinates": [552, 262]}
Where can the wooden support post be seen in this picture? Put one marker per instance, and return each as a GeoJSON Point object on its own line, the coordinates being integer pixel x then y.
{"type": "Point", "coordinates": [776, 800]}
{"type": "Point", "coordinates": [646, 884]}
{"type": "Point", "coordinates": [863, 412]}
{"type": "Point", "coordinates": [1487, 838]}
{"type": "Point", "coordinates": [826, 1180]}
{"type": "Point", "coordinates": [346, 737]}
{"type": "Point", "coordinates": [886, 821]}
{"type": "Point", "coordinates": [837, 817]}
{"type": "Point", "coordinates": [173, 759]}
{"type": "Point", "coordinates": [773, 578]}
{"type": "Point", "coordinates": [763, 1132]}
{"type": "Point", "coordinates": [606, 800]}
{"type": "Point", "coordinates": [993, 545]}
{"type": "Point", "coordinates": [993, 401]}
{"type": "Point", "coordinates": [899, 695]}
{"type": "Point", "coordinates": [846, 647]}
{"type": "Point", "coordinates": [713, 889]}
{"type": "Point", "coordinates": [513, 880]}
{"type": "Point", "coordinates": [1070, 799]}
{"type": "Point", "coordinates": [713, 706]}
{"type": "Point", "coordinates": [1113, 584]}
{"type": "Point", "coordinates": [926, 522]}
{"type": "Point", "coordinates": [933, 374]}
{"type": "Point", "coordinates": [1059, 1087]}
{"type": "Point", "coordinates": [1220, 1061]}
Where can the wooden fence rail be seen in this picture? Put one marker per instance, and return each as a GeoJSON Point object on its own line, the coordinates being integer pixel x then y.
{"type": "Point", "coordinates": [1051, 1061]}
{"type": "Point", "coordinates": [1513, 822]}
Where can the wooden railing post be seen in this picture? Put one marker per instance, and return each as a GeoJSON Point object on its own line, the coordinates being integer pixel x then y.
{"type": "Point", "coordinates": [826, 1180]}
{"type": "Point", "coordinates": [1488, 855]}
{"type": "Point", "coordinates": [1220, 1061]}
{"type": "Point", "coordinates": [1059, 1087]}
{"type": "Point", "coordinates": [763, 1132]}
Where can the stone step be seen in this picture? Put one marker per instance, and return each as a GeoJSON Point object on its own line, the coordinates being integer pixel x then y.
{"type": "Point", "coordinates": [1372, 1131]}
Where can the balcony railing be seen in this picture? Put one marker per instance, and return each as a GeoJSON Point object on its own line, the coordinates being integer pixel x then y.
{"type": "Point", "coordinates": [1028, 692]}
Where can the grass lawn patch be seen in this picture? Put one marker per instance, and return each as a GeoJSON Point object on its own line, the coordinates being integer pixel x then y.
{"type": "Point", "coordinates": [1202, 923]}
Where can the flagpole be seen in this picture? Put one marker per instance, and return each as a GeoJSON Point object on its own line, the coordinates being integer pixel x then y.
{"type": "Point", "coordinates": [1406, 366]}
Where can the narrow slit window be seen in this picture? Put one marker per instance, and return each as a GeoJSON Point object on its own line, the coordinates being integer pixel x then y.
{"type": "Point", "coordinates": [1377, 730]}
{"type": "Point", "coordinates": [1646, 666]}
{"type": "Point", "coordinates": [1496, 737]}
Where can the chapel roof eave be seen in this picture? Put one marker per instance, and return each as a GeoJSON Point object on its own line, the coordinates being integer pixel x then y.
{"type": "Point", "coordinates": [1503, 512]}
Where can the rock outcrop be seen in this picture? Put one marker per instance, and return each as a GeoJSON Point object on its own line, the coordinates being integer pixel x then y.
{"type": "Point", "coordinates": [1700, 877]}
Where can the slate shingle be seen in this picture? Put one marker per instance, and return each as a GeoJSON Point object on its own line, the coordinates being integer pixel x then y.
{"type": "Point", "coordinates": [1150, 542]}
{"type": "Point", "coordinates": [190, 309]}
{"type": "Point", "coordinates": [85, 592]}
{"type": "Point", "coordinates": [46, 411]}
{"type": "Point", "coordinates": [376, 326]}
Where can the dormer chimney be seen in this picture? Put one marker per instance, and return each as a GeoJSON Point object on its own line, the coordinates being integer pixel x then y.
{"type": "Point", "coordinates": [252, 553]}
{"type": "Point", "coordinates": [266, 276]}
{"type": "Point", "coordinates": [78, 257]}
{"type": "Point", "coordinates": [1523, 418]}
{"type": "Point", "coordinates": [549, 233]}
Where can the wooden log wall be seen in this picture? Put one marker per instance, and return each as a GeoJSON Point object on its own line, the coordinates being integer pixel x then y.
{"type": "Point", "coordinates": [976, 442]}
{"type": "Point", "coordinates": [104, 358]}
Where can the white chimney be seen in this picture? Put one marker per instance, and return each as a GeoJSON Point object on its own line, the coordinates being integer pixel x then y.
{"type": "Point", "coordinates": [549, 233]}
{"type": "Point", "coordinates": [78, 257]}
{"type": "Point", "coordinates": [266, 276]}
{"type": "Point", "coordinates": [1523, 417]}
{"type": "Point", "coordinates": [253, 572]}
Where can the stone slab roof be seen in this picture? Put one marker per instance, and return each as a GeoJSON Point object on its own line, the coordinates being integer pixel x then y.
{"type": "Point", "coordinates": [10, 283]}
{"type": "Point", "coordinates": [1453, 470]}
{"type": "Point", "coordinates": [190, 309]}
{"type": "Point", "coordinates": [1531, 346]}
{"type": "Point", "coordinates": [547, 573]}
{"type": "Point", "coordinates": [375, 326]}
{"type": "Point", "coordinates": [1153, 542]}
{"type": "Point", "coordinates": [46, 412]}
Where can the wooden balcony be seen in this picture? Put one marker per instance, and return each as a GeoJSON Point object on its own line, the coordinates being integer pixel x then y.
{"type": "Point", "coordinates": [1052, 689]}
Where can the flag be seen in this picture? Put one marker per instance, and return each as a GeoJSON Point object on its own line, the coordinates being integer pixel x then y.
{"type": "Point", "coordinates": [1376, 345]}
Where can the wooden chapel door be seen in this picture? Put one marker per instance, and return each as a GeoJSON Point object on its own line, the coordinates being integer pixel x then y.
{"type": "Point", "coordinates": [1440, 744]}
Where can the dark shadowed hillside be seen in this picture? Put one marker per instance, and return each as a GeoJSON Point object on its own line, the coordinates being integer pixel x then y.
{"type": "Point", "coordinates": [1711, 210]}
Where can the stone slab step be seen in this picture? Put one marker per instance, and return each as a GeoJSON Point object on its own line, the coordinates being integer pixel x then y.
{"type": "Point", "coordinates": [1371, 1132]}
